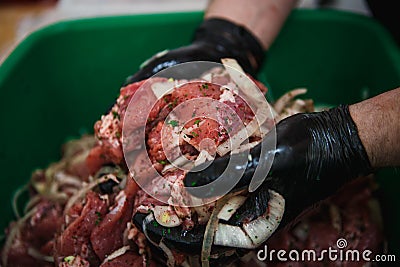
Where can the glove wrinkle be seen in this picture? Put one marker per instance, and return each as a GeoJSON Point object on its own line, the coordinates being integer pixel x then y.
{"type": "Point", "coordinates": [336, 151]}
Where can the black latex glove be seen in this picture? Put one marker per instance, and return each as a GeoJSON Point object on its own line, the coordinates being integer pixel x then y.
{"type": "Point", "coordinates": [315, 155]}
{"type": "Point", "coordinates": [214, 39]}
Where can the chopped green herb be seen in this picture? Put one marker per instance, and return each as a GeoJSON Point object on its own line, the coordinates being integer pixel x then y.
{"type": "Point", "coordinates": [173, 123]}
{"type": "Point", "coordinates": [162, 162]}
{"type": "Point", "coordinates": [155, 223]}
{"type": "Point", "coordinates": [98, 219]}
{"type": "Point", "coordinates": [118, 134]}
{"type": "Point", "coordinates": [173, 104]}
{"type": "Point", "coordinates": [169, 230]}
{"type": "Point", "coordinates": [69, 259]}
{"type": "Point", "coordinates": [197, 122]}
{"type": "Point", "coordinates": [194, 134]}
{"type": "Point", "coordinates": [115, 115]}
{"type": "Point", "coordinates": [193, 183]}
{"type": "Point", "coordinates": [205, 86]}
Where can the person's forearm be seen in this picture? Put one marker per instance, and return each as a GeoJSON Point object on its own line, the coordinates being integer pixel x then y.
{"type": "Point", "coordinates": [378, 123]}
{"type": "Point", "coordinates": [264, 18]}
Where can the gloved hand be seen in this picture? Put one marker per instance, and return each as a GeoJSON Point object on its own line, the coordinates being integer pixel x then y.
{"type": "Point", "coordinates": [214, 39]}
{"type": "Point", "coordinates": [316, 153]}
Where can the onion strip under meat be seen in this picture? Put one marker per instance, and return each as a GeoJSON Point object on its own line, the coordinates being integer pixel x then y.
{"type": "Point", "coordinates": [38, 255]}
{"type": "Point", "coordinates": [168, 252]}
{"type": "Point", "coordinates": [210, 232]}
{"type": "Point", "coordinates": [15, 231]}
{"type": "Point", "coordinates": [16, 196]}
{"type": "Point", "coordinates": [286, 98]}
{"type": "Point", "coordinates": [247, 88]}
{"type": "Point", "coordinates": [83, 191]}
{"type": "Point", "coordinates": [116, 253]}
{"type": "Point", "coordinates": [212, 227]}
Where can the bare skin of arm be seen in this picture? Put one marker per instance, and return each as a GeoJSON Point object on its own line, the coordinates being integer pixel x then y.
{"type": "Point", "coordinates": [378, 123]}
{"type": "Point", "coordinates": [264, 18]}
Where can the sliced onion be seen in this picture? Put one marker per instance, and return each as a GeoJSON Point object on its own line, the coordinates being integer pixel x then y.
{"type": "Point", "coordinates": [116, 253]}
{"type": "Point", "coordinates": [231, 236]}
{"type": "Point", "coordinates": [86, 188]}
{"type": "Point", "coordinates": [227, 95]}
{"type": "Point", "coordinates": [161, 88]}
{"type": "Point", "coordinates": [210, 231]}
{"type": "Point", "coordinates": [246, 147]}
{"type": "Point", "coordinates": [204, 211]}
{"type": "Point", "coordinates": [247, 86]}
{"type": "Point", "coordinates": [250, 92]}
{"type": "Point", "coordinates": [238, 75]}
{"type": "Point", "coordinates": [67, 179]}
{"type": "Point", "coordinates": [260, 229]}
{"type": "Point", "coordinates": [286, 98]}
{"type": "Point", "coordinates": [149, 218]}
{"type": "Point", "coordinates": [207, 77]}
{"type": "Point", "coordinates": [120, 201]}
{"type": "Point", "coordinates": [16, 196]}
{"type": "Point", "coordinates": [181, 162]}
{"type": "Point", "coordinates": [165, 217]}
{"type": "Point", "coordinates": [39, 256]}
{"type": "Point", "coordinates": [230, 207]}
{"type": "Point", "coordinates": [14, 233]}
{"type": "Point", "coordinates": [203, 157]}
{"type": "Point", "coordinates": [243, 134]}
{"type": "Point", "coordinates": [168, 253]}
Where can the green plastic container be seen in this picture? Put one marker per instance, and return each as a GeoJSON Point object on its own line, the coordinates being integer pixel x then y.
{"type": "Point", "coordinates": [60, 79]}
